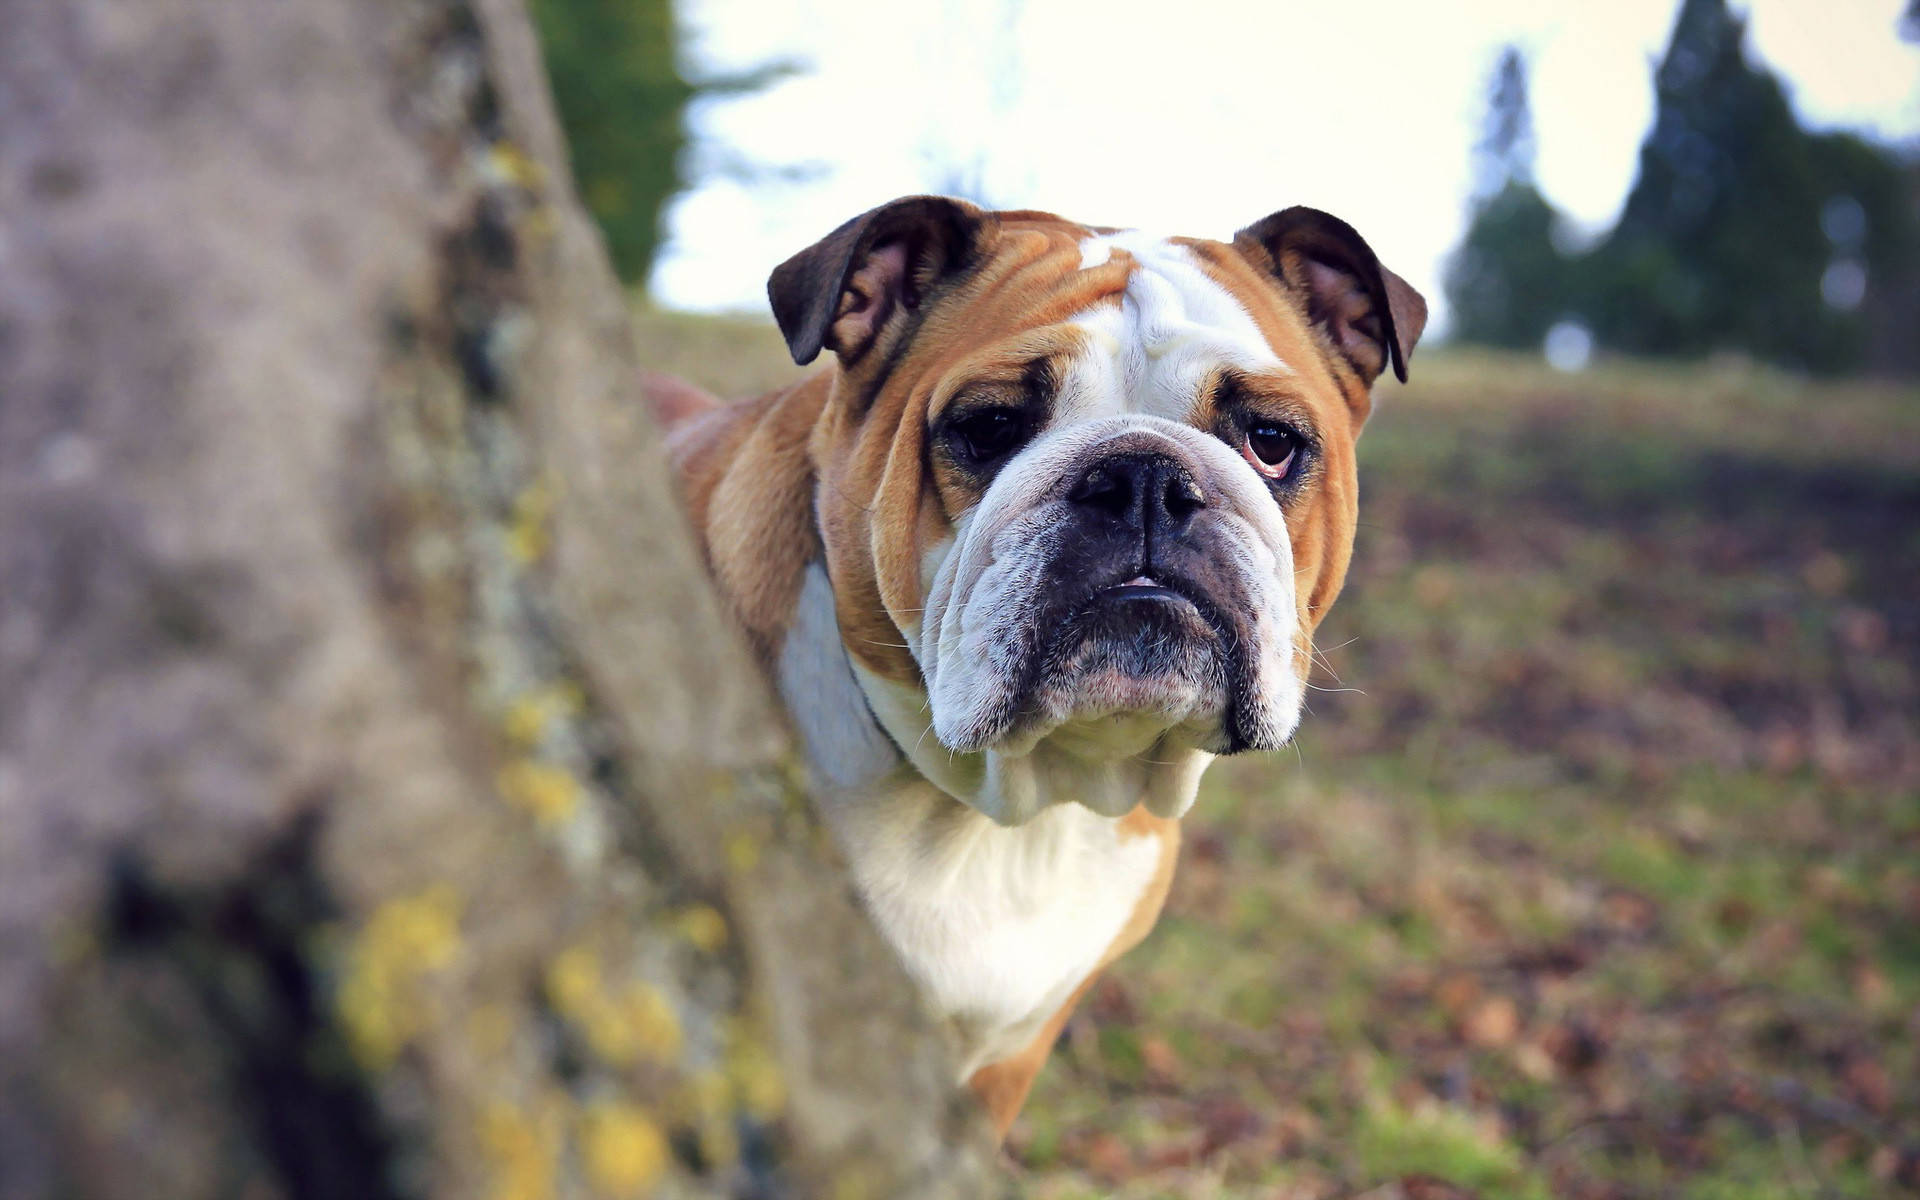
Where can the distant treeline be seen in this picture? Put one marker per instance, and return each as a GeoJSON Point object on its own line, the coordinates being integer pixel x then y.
{"type": "Point", "coordinates": [1742, 232]}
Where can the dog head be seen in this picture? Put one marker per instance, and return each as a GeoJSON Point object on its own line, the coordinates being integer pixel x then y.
{"type": "Point", "coordinates": [1084, 493]}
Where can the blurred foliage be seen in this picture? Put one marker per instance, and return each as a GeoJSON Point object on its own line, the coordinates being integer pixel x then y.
{"type": "Point", "coordinates": [623, 92]}
{"type": "Point", "coordinates": [622, 100]}
{"type": "Point", "coordinates": [1743, 231]}
{"type": "Point", "coordinates": [1507, 282]}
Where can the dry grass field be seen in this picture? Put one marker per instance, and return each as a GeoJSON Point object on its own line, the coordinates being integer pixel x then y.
{"type": "Point", "coordinates": [1596, 869]}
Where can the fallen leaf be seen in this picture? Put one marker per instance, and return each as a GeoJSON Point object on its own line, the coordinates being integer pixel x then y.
{"type": "Point", "coordinates": [1226, 1120]}
{"type": "Point", "coordinates": [1867, 1080]}
{"type": "Point", "coordinates": [1455, 993]}
{"type": "Point", "coordinates": [1164, 1068]}
{"type": "Point", "coordinates": [1107, 1156]}
{"type": "Point", "coordinates": [1428, 1187]}
{"type": "Point", "coordinates": [1492, 1023]}
{"type": "Point", "coordinates": [1573, 1046]}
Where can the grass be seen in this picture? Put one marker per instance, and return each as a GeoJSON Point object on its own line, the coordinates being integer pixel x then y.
{"type": "Point", "coordinates": [1599, 874]}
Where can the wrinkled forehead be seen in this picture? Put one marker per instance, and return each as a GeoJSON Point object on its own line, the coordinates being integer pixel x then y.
{"type": "Point", "coordinates": [1162, 344]}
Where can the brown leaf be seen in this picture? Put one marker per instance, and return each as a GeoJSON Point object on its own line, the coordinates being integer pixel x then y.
{"type": "Point", "coordinates": [1455, 993]}
{"type": "Point", "coordinates": [1206, 845]}
{"type": "Point", "coordinates": [1493, 1022]}
{"type": "Point", "coordinates": [1862, 630]}
{"type": "Point", "coordinates": [1629, 911]}
{"type": "Point", "coordinates": [1871, 986]}
{"type": "Point", "coordinates": [1574, 1046]}
{"type": "Point", "coordinates": [1826, 573]}
{"type": "Point", "coordinates": [1868, 1083]}
{"type": "Point", "coordinates": [1226, 1120]}
{"type": "Point", "coordinates": [1906, 1168]}
{"type": "Point", "coordinates": [1534, 1061]}
{"type": "Point", "coordinates": [1107, 1157]}
{"type": "Point", "coordinates": [1428, 1187]}
{"type": "Point", "coordinates": [1173, 1154]}
{"type": "Point", "coordinates": [1885, 1161]}
{"type": "Point", "coordinates": [1112, 1003]}
{"type": "Point", "coordinates": [1164, 1068]}
{"type": "Point", "coordinates": [1734, 915]}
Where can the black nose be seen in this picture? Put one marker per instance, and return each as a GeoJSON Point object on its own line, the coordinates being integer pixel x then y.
{"type": "Point", "coordinates": [1150, 493]}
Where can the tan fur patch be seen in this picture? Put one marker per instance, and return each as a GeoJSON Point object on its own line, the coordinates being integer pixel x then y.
{"type": "Point", "coordinates": [748, 487]}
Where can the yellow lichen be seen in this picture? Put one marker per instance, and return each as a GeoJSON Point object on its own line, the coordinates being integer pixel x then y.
{"type": "Point", "coordinates": [758, 1085]}
{"type": "Point", "coordinates": [703, 1096]}
{"type": "Point", "coordinates": [719, 1144]}
{"type": "Point", "coordinates": [623, 1149]}
{"type": "Point", "coordinates": [656, 1027]}
{"type": "Point", "coordinates": [527, 718]}
{"type": "Point", "coordinates": [368, 1011]}
{"type": "Point", "coordinates": [702, 925]}
{"type": "Point", "coordinates": [526, 722]}
{"type": "Point", "coordinates": [608, 1035]}
{"type": "Point", "coordinates": [619, 1028]}
{"type": "Point", "coordinates": [512, 164]}
{"type": "Point", "coordinates": [381, 1001]}
{"type": "Point", "coordinates": [743, 852]}
{"type": "Point", "coordinates": [854, 1182]}
{"type": "Point", "coordinates": [573, 979]}
{"type": "Point", "coordinates": [550, 793]}
{"type": "Point", "coordinates": [521, 1150]}
{"type": "Point", "coordinates": [527, 529]}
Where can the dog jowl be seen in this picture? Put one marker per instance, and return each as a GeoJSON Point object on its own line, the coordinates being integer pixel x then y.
{"type": "Point", "coordinates": [1053, 530]}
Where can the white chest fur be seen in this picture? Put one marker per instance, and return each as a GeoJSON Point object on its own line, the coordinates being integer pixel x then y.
{"type": "Point", "coordinates": [998, 925]}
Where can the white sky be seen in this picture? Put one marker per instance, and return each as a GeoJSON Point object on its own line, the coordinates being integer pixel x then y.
{"type": "Point", "coordinates": [1201, 116]}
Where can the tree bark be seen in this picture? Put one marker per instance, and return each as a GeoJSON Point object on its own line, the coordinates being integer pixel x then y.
{"type": "Point", "coordinates": [384, 810]}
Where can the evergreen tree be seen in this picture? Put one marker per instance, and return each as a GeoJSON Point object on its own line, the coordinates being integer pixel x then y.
{"type": "Point", "coordinates": [1743, 231]}
{"type": "Point", "coordinates": [1721, 244]}
{"type": "Point", "coordinates": [1506, 284]}
{"type": "Point", "coordinates": [1505, 152]}
{"type": "Point", "coordinates": [622, 95]}
{"type": "Point", "coordinates": [622, 99]}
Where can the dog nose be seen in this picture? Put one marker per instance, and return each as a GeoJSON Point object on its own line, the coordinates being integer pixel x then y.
{"type": "Point", "coordinates": [1150, 493]}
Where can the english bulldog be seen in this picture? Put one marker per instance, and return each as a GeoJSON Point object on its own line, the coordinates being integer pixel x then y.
{"type": "Point", "coordinates": [1052, 532]}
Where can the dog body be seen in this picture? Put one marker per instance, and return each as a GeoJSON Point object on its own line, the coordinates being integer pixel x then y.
{"type": "Point", "coordinates": [1053, 533]}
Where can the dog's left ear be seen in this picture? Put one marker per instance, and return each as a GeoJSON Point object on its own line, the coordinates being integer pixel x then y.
{"type": "Point", "coordinates": [1372, 316]}
{"type": "Point", "coordinates": [839, 293]}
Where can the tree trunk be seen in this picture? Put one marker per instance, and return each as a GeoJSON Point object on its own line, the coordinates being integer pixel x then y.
{"type": "Point", "coordinates": [384, 810]}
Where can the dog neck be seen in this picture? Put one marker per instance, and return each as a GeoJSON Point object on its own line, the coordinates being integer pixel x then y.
{"type": "Point", "coordinates": [864, 733]}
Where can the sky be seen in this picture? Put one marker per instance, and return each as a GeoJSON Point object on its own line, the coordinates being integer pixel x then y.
{"type": "Point", "coordinates": [1199, 117]}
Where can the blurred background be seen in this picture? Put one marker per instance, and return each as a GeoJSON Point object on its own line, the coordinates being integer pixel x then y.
{"type": "Point", "coordinates": [1596, 872]}
{"type": "Point", "coordinates": [1648, 181]}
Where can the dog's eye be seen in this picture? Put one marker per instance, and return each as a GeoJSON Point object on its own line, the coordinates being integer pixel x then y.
{"type": "Point", "coordinates": [1271, 447]}
{"type": "Point", "coordinates": [985, 435]}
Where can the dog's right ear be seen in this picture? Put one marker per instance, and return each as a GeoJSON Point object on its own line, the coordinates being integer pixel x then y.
{"type": "Point", "coordinates": [839, 293]}
{"type": "Point", "coordinates": [1371, 316]}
